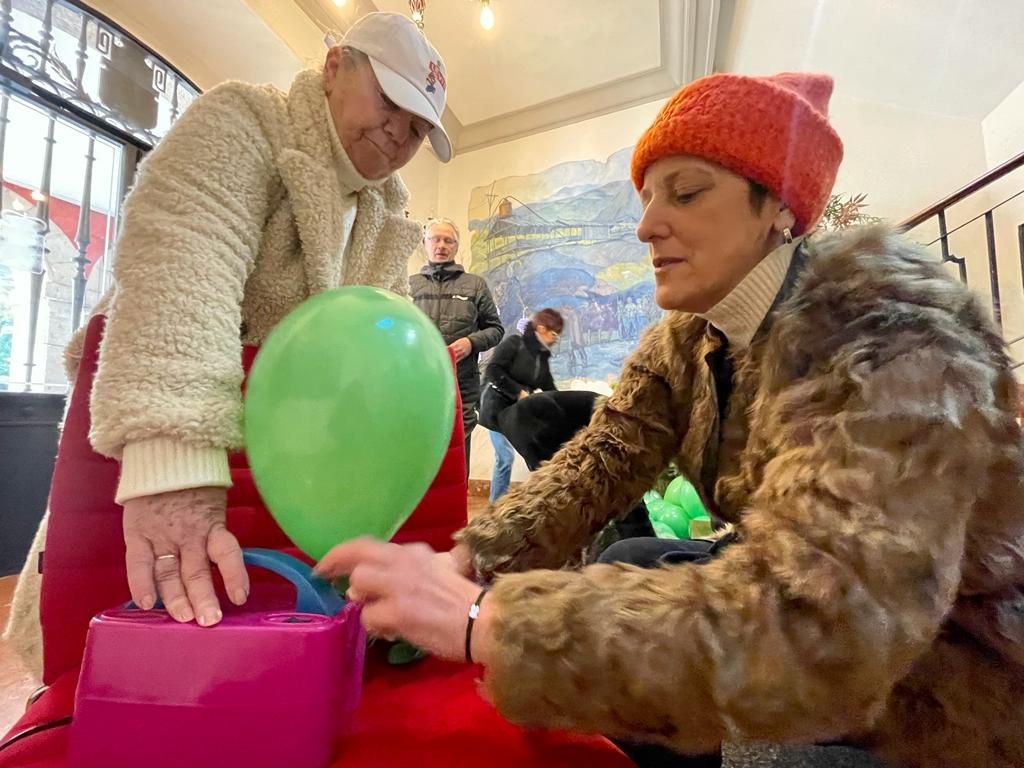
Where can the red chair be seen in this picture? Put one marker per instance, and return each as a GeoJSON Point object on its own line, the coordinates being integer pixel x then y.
{"type": "Point", "coordinates": [428, 714]}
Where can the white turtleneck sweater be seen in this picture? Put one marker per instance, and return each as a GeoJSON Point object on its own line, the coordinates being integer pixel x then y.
{"type": "Point", "coordinates": [741, 312]}
{"type": "Point", "coordinates": [351, 181]}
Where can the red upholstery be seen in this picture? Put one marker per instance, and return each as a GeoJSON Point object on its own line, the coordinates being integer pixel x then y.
{"type": "Point", "coordinates": [429, 714]}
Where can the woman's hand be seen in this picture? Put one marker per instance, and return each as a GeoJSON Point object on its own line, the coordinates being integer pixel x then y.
{"type": "Point", "coordinates": [523, 394]}
{"type": "Point", "coordinates": [170, 540]}
{"type": "Point", "coordinates": [413, 593]}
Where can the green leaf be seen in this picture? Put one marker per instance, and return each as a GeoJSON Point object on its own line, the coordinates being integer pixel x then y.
{"type": "Point", "coordinates": [401, 653]}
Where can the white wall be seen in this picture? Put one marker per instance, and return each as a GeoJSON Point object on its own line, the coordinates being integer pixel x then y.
{"type": "Point", "coordinates": [1003, 133]}
{"type": "Point", "coordinates": [902, 159]}
{"type": "Point", "coordinates": [906, 160]}
{"type": "Point", "coordinates": [421, 177]}
{"type": "Point", "coordinates": [1002, 137]}
{"type": "Point", "coordinates": [1003, 128]}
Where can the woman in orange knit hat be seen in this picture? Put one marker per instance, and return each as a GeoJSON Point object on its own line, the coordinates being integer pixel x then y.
{"type": "Point", "coordinates": [843, 403]}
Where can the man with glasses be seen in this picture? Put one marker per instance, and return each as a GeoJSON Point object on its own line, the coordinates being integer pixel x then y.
{"type": "Point", "coordinates": [461, 306]}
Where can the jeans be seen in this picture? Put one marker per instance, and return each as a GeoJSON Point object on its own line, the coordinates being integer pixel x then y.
{"type": "Point", "coordinates": [501, 475]}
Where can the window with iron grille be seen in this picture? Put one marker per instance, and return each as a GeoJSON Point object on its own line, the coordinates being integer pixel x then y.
{"type": "Point", "coordinates": [80, 102]}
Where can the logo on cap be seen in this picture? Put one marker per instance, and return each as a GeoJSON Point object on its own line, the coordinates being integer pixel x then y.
{"type": "Point", "coordinates": [435, 75]}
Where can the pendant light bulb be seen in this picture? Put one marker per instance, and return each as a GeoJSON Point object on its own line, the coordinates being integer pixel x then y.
{"type": "Point", "coordinates": [486, 15]}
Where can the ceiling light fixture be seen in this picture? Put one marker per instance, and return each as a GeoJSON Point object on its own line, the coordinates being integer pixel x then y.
{"type": "Point", "coordinates": [417, 9]}
{"type": "Point", "coordinates": [486, 14]}
{"type": "Point", "coordinates": [339, 3]}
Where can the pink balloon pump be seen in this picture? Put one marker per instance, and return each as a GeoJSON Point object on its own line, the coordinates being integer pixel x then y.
{"type": "Point", "coordinates": [265, 687]}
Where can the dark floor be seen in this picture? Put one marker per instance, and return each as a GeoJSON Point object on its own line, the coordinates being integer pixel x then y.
{"type": "Point", "coordinates": [764, 756]}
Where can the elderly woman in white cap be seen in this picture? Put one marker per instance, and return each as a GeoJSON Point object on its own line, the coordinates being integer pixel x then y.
{"type": "Point", "coordinates": [255, 200]}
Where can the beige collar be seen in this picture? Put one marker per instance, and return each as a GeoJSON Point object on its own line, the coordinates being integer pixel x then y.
{"type": "Point", "coordinates": [742, 311]}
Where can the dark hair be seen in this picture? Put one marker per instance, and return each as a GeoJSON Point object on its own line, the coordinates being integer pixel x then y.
{"type": "Point", "coordinates": [757, 195]}
{"type": "Point", "coordinates": [549, 318]}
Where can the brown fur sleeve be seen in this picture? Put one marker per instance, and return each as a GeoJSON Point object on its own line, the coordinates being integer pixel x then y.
{"type": "Point", "coordinates": [849, 561]}
{"type": "Point", "coordinates": [595, 477]}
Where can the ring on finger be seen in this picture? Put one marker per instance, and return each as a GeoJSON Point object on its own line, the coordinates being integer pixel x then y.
{"type": "Point", "coordinates": [169, 556]}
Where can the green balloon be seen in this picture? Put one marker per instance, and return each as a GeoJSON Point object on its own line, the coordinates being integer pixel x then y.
{"type": "Point", "coordinates": [662, 531]}
{"type": "Point", "coordinates": [349, 410]}
{"type": "Point", "coordinates": [682, 493]}
{"type": "Point", "coordinates": [654, 508]}
{"type": "Point", "coordinates": [675, 518]}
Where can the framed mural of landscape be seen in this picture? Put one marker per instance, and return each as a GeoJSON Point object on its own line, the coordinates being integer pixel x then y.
{"type": "Point", "coordinates": [565, 237]}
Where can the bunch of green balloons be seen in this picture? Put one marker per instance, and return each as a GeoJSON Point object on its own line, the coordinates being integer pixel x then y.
{"type": "Point", "coordinates": [680, 514]}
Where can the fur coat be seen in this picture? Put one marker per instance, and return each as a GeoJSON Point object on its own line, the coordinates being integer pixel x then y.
{"type": "Point", "coordinates": [872, 464]}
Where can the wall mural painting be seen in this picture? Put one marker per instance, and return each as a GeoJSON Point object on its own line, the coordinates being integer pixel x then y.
{"type": "Point", "coordinates": [566, 238]}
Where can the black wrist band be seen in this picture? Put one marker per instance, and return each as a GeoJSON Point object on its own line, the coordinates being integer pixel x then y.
{"type": "Point", "coordinates": [474, 611]}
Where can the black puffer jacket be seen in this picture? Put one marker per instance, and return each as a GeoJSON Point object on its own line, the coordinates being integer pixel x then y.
{"type": "Point", "coordinates": [459, 303]}
{"type": "Point", "coordinates": [518, 364]}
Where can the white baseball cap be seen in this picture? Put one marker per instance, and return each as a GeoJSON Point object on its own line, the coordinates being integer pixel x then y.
{"type": "Point", "coordinates": [409, 69]}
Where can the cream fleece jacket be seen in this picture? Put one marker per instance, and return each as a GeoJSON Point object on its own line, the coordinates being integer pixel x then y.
{"type": "Point", "coordinates": [243, 211]}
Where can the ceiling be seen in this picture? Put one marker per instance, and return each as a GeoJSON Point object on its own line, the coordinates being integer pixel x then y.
{"type": "Point", "coordinates": [208, 41]}
{"type": "Point", "coordinates": [557, 51]}
{"type": "Point", "coordinates": [949, 57]}
{"type": "Point", "coordinates": [546, 63]}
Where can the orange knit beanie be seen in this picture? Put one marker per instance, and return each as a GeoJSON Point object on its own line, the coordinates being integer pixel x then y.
{"type": "Point", "coordinates": [772, 130]}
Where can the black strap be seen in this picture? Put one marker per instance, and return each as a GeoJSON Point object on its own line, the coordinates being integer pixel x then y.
{"type": "Point", "coordinates": [474, 611]}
